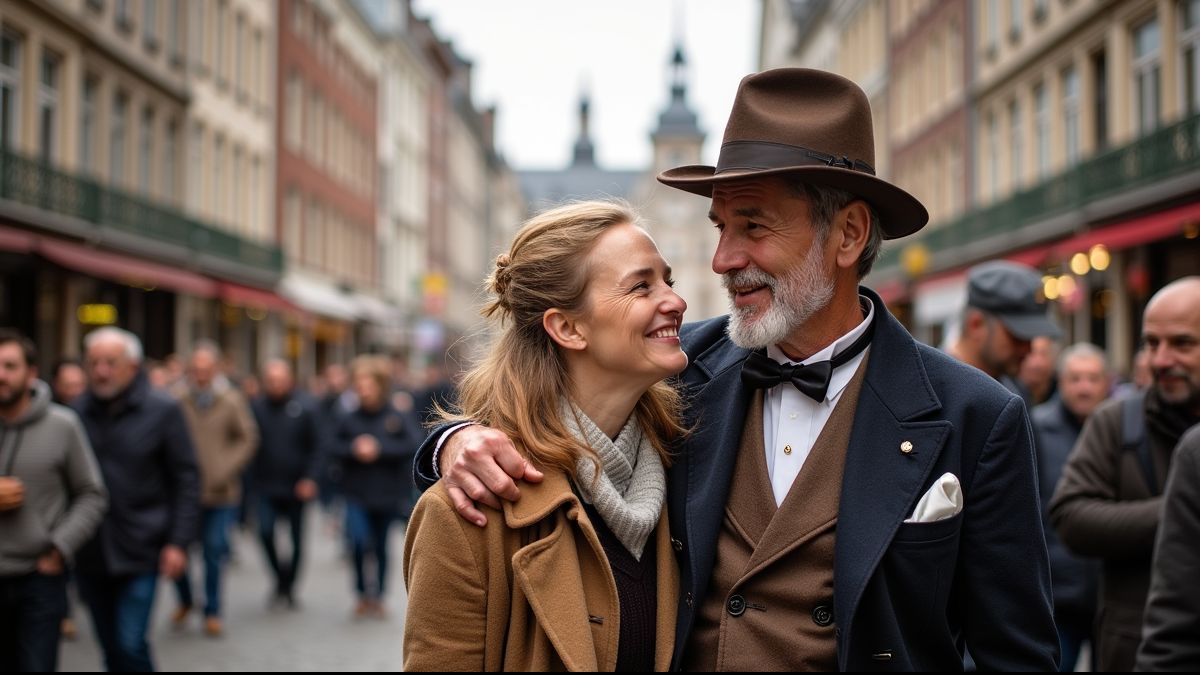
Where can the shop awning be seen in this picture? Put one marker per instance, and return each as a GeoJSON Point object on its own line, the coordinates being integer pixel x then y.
{"type": "Point", "coordinates": [16, 241]}
{"type": "Point", "coordinates": [1127, 234]}
{"type": "Point", "coordinates": [125, 269]}
{"type": "Point", "coordinates": [319, 298]}
{"type": "Point", "coordinates": [245, 296]}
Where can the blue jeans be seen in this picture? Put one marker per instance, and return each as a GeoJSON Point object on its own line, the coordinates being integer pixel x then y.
{"type": "Point", "coordinates": [32, 607]}
{"type": "Point", "coordinates": [121, 608]}
{"type": "Point", "coordinates": [368, 532]}
{"type": "Point", "coordinates": [269, 509]}
{"type": "Point", "coordinates": [214, 528]}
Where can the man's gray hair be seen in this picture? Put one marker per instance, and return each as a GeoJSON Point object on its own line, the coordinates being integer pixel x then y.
{"type": "Point", "coordinates": [1082, 349]}
{"type": "Point", "coordinates": [823, 202]}
{"type": "Point", "coordinates": [206, 345]}
{"type": "Point", "coordinates": [133, 346]}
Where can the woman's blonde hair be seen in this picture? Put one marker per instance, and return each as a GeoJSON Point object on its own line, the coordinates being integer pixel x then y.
{"type": "Point", "coordinates": [518, 385]}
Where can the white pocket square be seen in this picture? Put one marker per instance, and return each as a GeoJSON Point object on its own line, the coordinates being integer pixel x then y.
{"type": "Point", "coordinates": [943, 500]}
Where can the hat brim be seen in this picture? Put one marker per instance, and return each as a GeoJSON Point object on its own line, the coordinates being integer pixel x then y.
{"type": "Point", "coordinates": [901, 213]}
{"type": "Point", "coordinates": [1029, 326]}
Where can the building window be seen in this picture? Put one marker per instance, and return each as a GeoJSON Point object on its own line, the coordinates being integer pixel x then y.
{"type": "Point", "coordinates": [196, 42]}
{"type": "Point", "coordinates": [48, 106]}
{"type": "Point", "coordinates": [218, 159]}
{"type": "Point", "coordinates": [146, 150]}
{"type": "Point", "coordinates": [254, 216]}
{"type": "Point", "coordinates": [1070, 84]}
{"type": "Point", "coordinates": [239, 55]}
{"type": "Point", "coordinates": [1147, 71]}
{"type": "Point", "coordinates": [174, 43]}
{"type": "Point", "coordinates": [258, 84]}
{"type": "Point", "coordinates": [195, 176]}
{"type": "Point", "coordinates": [219, 41]}
{"type": "Point", "coordinates": [170, 152]}
{"type": "Point", "coordinates": [299, 19]}
{"type": "Point", "coordinates": [10, 88]}
{"type": "Point", "coordinates": [116, 139]}
{"type": "Point", "coordinates": [1016, 134]}
{"type": "Point", "coordinates": [1016, 11]}
{"type": "Point", "coordinates": [291, 224]}
{"type": "Point", "coordinates": [293, 114]}
{"type": "Point", "coordinates": [1041, 129]}
{"type": "Point", "coordinates": [87, 124]}
{"type": "Point", "coordinates": [150, 24]}
{"type": "Point", "coordinates": [124, 15]}
{"type": "Point", "coordinates": [235, 193]}
{"type": "Point", "coordinates": [1100, 100]}
{"type": "Point", "coordinates": [1189, 41]}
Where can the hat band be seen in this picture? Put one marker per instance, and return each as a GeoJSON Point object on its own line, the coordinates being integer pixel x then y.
{"type": "Point", "coordinates": [765, 155]}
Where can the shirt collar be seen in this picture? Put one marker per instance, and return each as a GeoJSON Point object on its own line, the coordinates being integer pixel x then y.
{"type": "Point", "coordinates": [841, 376]}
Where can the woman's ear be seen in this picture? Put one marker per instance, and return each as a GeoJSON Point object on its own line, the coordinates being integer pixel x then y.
{"type": "Point", "coordinates": [563, 329]}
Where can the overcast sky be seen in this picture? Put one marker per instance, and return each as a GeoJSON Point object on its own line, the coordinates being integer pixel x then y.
{"type": "Point", "coordinates": [532, 58]}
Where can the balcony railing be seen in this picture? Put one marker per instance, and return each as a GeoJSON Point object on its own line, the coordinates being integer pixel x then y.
{"type": "Point", "coordinates": [1160, 155]}
{"type": "Point", "coordinates": [35, 183]}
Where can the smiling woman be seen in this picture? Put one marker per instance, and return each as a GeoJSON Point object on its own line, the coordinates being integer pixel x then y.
{"type": "Point", "coordinates": [591, 329]}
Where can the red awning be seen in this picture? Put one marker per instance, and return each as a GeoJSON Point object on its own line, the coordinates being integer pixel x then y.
{"type": "Point", "coordinates": [125, 269]}
{"type": "Point", "coordinates": [16, 241]}
{"type": "Point", "coordinates": [245, 296]}
{"type": "Point", "coordinates": [1141, 230]}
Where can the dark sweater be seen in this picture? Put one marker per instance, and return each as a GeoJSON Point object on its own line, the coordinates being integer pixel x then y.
{"type": "Point", "coordinates": [637, 595]}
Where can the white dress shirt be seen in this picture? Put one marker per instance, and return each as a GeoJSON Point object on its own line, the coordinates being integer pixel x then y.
{"type": "Point", "coordinates": [792, 421]}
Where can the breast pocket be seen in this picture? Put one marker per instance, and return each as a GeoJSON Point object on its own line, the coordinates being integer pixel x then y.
{"type": "Point", "coordinates": [919, 567]}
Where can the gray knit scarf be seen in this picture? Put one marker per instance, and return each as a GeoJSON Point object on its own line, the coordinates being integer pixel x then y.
{"type": "Point", "coordinates": [630, 493]}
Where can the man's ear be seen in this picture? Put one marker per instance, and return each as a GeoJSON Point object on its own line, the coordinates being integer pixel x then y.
{"type": "Point", "coordinates": [563, 329]}
{"type": "Point", "coordinates": [853, 222]}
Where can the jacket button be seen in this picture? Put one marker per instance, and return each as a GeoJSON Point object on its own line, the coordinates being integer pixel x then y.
{"type": "Point", "coordinates": [822, 615]}
{"type": "Point", "coordinates": [737, 605]}
{"type": "Point", "coordinates": [677, 545]}
{"type": "Point", "coordinates": [688, 599]}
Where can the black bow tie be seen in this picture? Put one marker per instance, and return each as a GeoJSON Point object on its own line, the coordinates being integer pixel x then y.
{"type": "Point", "coordinates": [762, 372]}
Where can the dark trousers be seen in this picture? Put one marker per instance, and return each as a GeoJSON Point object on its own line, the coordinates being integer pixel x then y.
{"type": "Point", "coordinates": [269, 510]}
{"type": "Point", "coordinates": [32, 607]}
{"type": "Point", "coordinates": [368, 532]}
{"type": "Point", "coordinates": [121, 608]}
{"type": "Point", "coordinates": [214, 524]}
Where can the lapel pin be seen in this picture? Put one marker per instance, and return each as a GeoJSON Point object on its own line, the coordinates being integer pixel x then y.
{"type": "Point", "coordinates": [906, 447]}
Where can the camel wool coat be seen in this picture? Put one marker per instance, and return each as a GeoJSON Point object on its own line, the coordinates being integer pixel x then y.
{"type": "Point", "coordinates": [530, 591]}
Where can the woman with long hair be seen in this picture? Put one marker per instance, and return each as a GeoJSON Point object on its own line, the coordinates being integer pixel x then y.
{"type": "Point", "coordinates": [579, 573]}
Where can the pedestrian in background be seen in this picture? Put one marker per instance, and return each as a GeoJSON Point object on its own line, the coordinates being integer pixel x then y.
{"type": "Point", "coordinates": [285, 470]}
{"type": "Point", "coordinates": [374, 445]}
{"type": "Point", "coordinates": [225, 437]}
{"type": "Point", "coordinates": [146, 456]}
{"type": "Point", "coordinates": [1108, 503]}
{"type": "Point", "coordinates": [51, 502]}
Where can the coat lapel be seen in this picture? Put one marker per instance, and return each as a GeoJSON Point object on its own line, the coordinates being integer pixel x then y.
{"type": "Point", "coordinates": [540, 568]}
{"type": "Point", "coordinates": [881, 483]}
{"type": "Point", "coordinates": [718, 401]}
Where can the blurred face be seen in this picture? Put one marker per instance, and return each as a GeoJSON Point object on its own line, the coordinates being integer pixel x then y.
{"type": "Point", "coordinates": [1171, 333]}
{"type": "Point", "coordinates": [277, 380]}
{"type": "Point", "coordinates": [632, 317]}
{"type": "Point", "coordinates": [110, 370]}
{"type": "Point", "coordinates": [1002, 352]}
{"type": "Point", "coordinates": [1038, 366]}
{"type": "Point", "coordinates": [70, 383]}
{"type": "Point", "coordinates": [770, 259]}
{"type": "Point", "coordinates": [1083, 384]}
{"type": "Point", "coordinates": [203, 368]}
{"type": "Point", "coordinates": [336, 379]}
{"type": "Point", "coordinates": [16, 377]}
{"type": "Point", "coordinates": [370, 394]}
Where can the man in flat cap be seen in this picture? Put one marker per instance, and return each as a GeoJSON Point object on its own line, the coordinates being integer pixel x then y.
{"type": "Point", "coordinates": [849, 499]}
{"type": "Point", "coordinates": [1005, 311]}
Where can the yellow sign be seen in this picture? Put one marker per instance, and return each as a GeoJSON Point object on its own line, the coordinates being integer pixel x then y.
{"type": "Point", "coordinates": [96, 315]}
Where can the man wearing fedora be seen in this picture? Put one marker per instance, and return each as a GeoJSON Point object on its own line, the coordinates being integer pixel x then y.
{"type": "Point", "coordinates": [849, 498]}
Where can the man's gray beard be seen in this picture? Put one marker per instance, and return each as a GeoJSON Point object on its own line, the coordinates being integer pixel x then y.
{"type": "Point", "coordinates": [795, 298]}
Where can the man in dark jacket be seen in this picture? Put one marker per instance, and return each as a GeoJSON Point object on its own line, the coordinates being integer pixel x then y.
{"type": "Point", "coordinates": [1083, 384]}
{"type": "Point", "coordinates": [285, 469]}
{"type": "Point", "coordinates": [149, 465]}
{"type": "Point", "coordinates": [51, 501]}
{"type": "Point", "coordinates": [1172, 628]}
{"type": "Point", "coordinates": [1108, 502]}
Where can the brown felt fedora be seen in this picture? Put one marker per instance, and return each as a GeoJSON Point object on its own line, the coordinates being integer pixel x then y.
{"type": "Point", "coordinates": [810, 123]}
